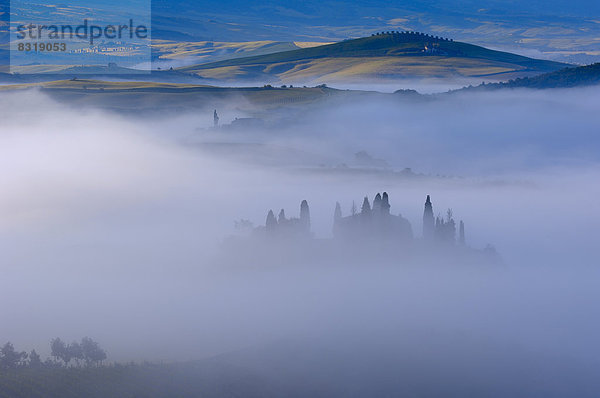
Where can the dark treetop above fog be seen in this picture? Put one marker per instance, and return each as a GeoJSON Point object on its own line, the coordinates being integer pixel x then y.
{"type": "Point", "coordinates": [371, 224]}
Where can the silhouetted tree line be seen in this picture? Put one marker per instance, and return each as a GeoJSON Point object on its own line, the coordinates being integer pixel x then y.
{"type": "Point", "coordinates": [283, 226]}
{"type": "Point", "coordinates": [441, 228]}
{"type": "Point", "coordinates": [371, 221]}
{"type": "Point", "coordinates": [84, 353]}
{"type": "Point", "coordinates": [409, 34]}
{"type": "Point", "coordinates": [372, 226]}
{"type": "Point", "coordinates": [567, 77]}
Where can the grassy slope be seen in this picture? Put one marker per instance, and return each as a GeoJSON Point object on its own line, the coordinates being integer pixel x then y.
{"type": "Point", "coordinates": [377, 56]}
{"type": "Point", "coordinates": [189, 52]}
{"type": "Point", "coordinates": [89, 84]}
{"type": "Point", "coordinates": [206, 49]}
{"type": "Point", "coordinates": [152, 95]}
{"type": "Point", "coordinates": [454, 366]}
{"type": "Point", "coordinates": [212, 51]}
{"type": "Point", "coordinates": [172, 380]}
{"type": "Point", "coordinates": [137, 96]}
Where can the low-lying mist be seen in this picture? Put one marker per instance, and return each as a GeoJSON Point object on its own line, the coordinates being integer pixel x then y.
{"type": "Point", "coordinates": [478, 133]}
{"type": "Point", "coordinates": [111, 227]}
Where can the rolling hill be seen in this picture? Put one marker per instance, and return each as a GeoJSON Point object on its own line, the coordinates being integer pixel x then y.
{"type": "Point", "coordinates": [187, 53]}
{"type": "Point", "coordinates": [562, 33]}
{"type": "Point", "coordinates": [143, 96]}
{"type": "Point", "coordinates": [588, 75]}
{"type": "Point", "coordinates": [580, 76]}
{"type": "Point", "coordinates": [386, 56]}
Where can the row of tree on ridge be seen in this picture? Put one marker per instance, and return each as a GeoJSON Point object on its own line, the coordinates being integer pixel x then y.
{"type": "Point", "coordinates": [410, 34]}
{"type": "Point", "coordinates": [87, 352]}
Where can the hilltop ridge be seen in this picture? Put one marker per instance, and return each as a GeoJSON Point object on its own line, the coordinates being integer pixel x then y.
{"type": "Point", "coordinates": [387, 55]}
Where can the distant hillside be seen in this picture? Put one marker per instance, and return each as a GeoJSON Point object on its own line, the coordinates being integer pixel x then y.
{"type": "Point", "coordinates": [49, 73]}
{"type": "Point", "coordinates": [588, 75]}
{"type": "Point", "coordinates": [391, 55]}
{"type": "Point", "coordinates": [136, 96]}
{"type": "Point", "coordinates": [180, 53]}
{"type": "Point", "coordinates": [564, 31]}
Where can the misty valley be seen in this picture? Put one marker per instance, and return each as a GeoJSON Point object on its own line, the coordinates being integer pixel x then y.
{"type": "Point", "coordinates": [273, 202]}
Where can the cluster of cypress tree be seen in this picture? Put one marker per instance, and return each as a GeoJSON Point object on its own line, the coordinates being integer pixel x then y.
{"type": "Point", "coordinates": [289, 226]}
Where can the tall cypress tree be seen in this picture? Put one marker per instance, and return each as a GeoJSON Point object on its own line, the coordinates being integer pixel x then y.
{"type": "Point", "coordinates": [377, 204]}
{"type": "Point", "coordinates": [337, 216]}
{"type": "Point", "coordinates": [385, 203]}
{"type": "Point", "coordinates": [281, 217]}
{"type": "Point", "coordinates": [271, 223]}
{"type": "Point", "coordinates": [305, 216]}
{"type": "Point", "coordinates": [428, 220]}
{"type": "Point", "coordinates": [365, 210]}
{"type": "Point", "coordinates": [450, 228]}
{"type": "Point", "coordinates": [461, 233]}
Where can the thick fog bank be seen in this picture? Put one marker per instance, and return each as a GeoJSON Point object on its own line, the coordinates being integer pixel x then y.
{"type": "Point", "coordinates": [478, 133]}
{"type": "Point", "coordinates": [109, 228]}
